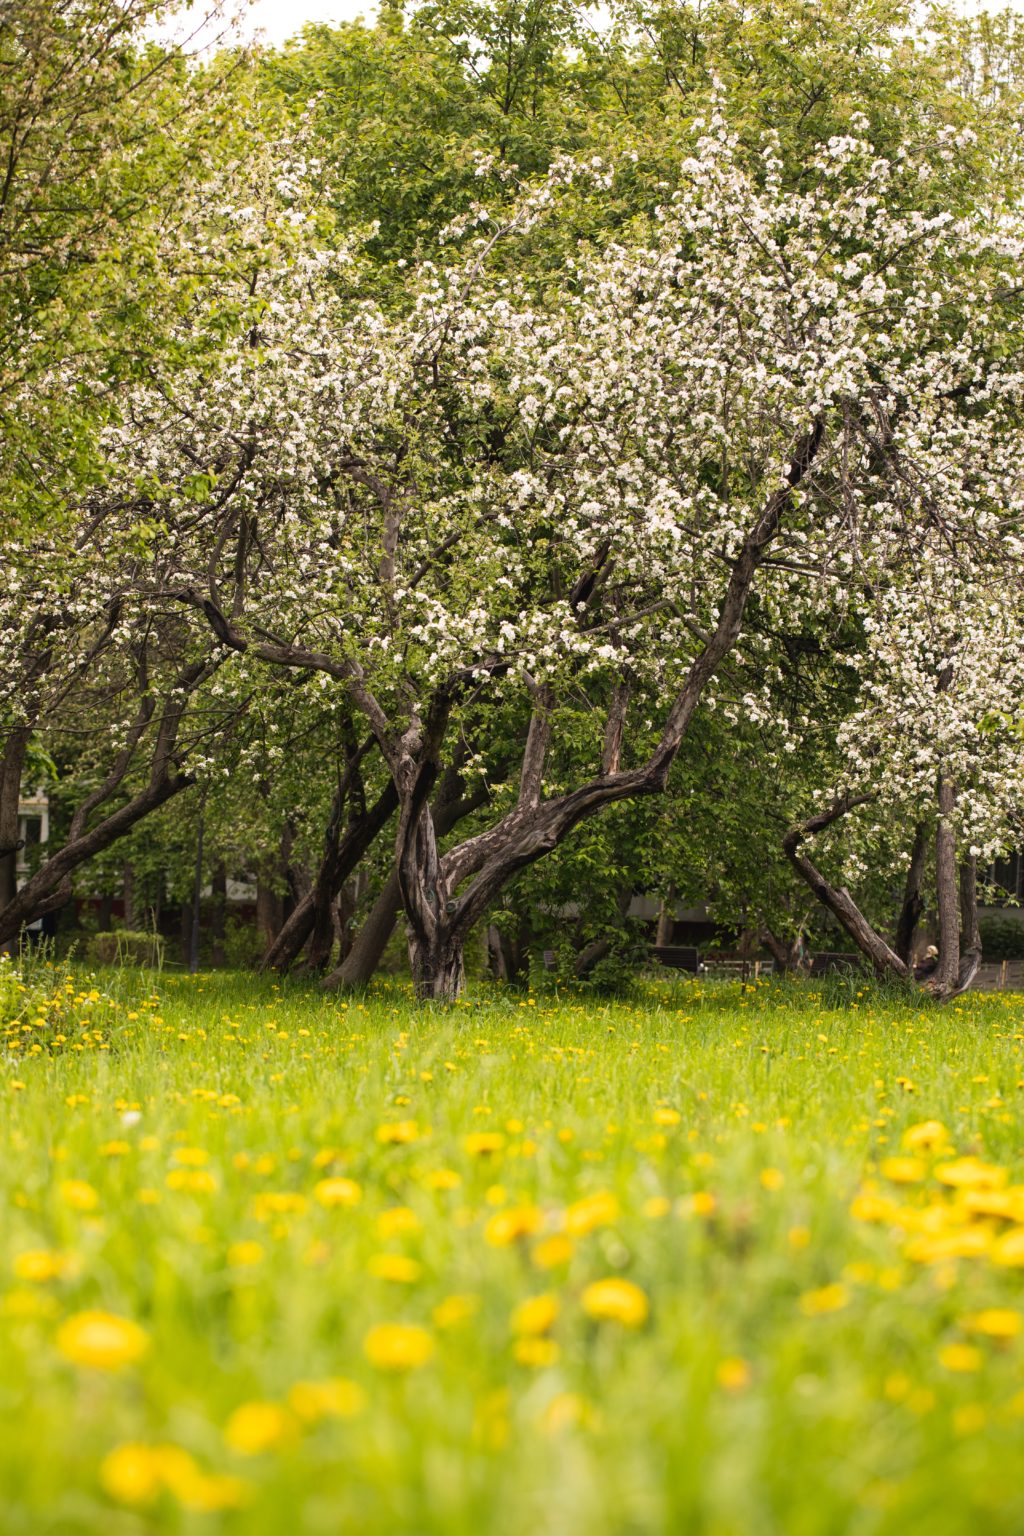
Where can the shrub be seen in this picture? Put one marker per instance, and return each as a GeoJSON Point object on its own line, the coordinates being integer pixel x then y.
{"type": "Point", "coordinates": [1002, 938]}
{"type": "Point", "coordinates": [125, 947]}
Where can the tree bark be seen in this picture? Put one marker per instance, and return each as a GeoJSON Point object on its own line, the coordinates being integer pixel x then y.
{"type": "Point", "coordinates": [970, 939]}
{"type": "Point", "coordinates": [11, 766]}
{"type": "Point", "coordinates": [50, 887]}
{"type": "Point", "coordinates": [360, 964]}
{"type": "Point", "coordinates": [438, 968]}
{"type": "Point", "coordinates": [787, 957]}
{"type": "Point", "coordinates": [913, 902]}
{"type": "Point", "coordinates": [947, 895]}
{"type": "Point", "coordinates": [269, 916]}
{"type": "Point", "coordinates": [341, 863]}
{"type": "Point", "coordinates": [218, 914]}
{"type": "Point", "coordinates": [128, 893]}
{"type": "Point", "coordinates": [838, 900]}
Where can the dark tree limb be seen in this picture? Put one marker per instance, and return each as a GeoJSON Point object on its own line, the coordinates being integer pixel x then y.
{"type": "Point", "coordinates": [913, 901]}
{"type": "Point", "coordinates": [836, 898]}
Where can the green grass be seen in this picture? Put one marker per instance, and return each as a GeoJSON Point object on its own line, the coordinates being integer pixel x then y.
{"type": "Point", "coordinates": [799, 1372]}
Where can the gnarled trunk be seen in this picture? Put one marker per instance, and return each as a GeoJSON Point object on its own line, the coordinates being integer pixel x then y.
{"type": "Point", "coordinates": [913, 901]}
{"type": "Point", "coordinates": [438, 969]}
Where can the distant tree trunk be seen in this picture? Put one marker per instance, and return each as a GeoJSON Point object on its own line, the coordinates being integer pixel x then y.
{"type": "Point", "coordinates": [11, 766]}
{"type": "Point", "coordinates": [269, 915]}
{"type": "Point", "coordinates": [947, 894]}
{"type": "Point", "coordinates": [218, 914]}
{"type": "Point", "coordinates": [970, 946]}
{"type": "Point", "coordinates": [185, 932]}
{"type": "Point", "coordinates": [496, 954]}
{"type": "Point", "coordinates": [105, 915]}
{"type": "Point", "coordinates": [593, 953]}
{"type": "Point", "coordinates": [666, 920]}
{"type": "Point", "coordinates": [128, 893]}
{"type": "Point", "coordinates": [359, 965]}
{"type": "Point", "coordinates": [787, 957]}
{"type": "Point", "coordinates": [337, 865]}
{"type": "Point", "coordinates": [913, 902]}
{"type": "Point", "coordinates": [838, 900]}
{"type": "Point", "coordinates": [361, 962]}
{"type": "Point", "coordinates": [49, 887]}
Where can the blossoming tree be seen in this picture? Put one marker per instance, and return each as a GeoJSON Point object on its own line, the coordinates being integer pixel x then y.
{"type": "Point", "coordinates": [765, 396]}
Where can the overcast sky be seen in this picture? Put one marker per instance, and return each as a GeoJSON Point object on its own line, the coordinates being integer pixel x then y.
{"type": "Point", "coordinates": [280, 19]}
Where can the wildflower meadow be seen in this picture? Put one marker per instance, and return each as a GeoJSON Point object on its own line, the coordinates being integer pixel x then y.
{"type": "Point", "coordinates": [723, 1259]}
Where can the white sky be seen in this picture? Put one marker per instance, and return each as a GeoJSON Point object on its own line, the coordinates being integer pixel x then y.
{"type": "Point", "coordinates": [280, 19]}
{"type": "Point", "coordinates": [277, 20]}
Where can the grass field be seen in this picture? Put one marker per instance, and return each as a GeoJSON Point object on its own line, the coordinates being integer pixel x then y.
{"type": "Point", "coordinates": [724, 1261]}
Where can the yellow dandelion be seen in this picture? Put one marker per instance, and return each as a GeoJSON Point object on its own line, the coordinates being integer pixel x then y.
{"type": "Point", "coordinates": [396, 1267]}
{"type": "Point", "coordinates": [994, 1323]}
{"type": "Point", "coordinates": [928, 1136]}
{"type": "Point", "coordinates": [971, 1173]}
{"type": "Point", "coordinates": [1008, 1251]}
{"type": "Point", "coordinates": [41, 1264]}
{"type": "Point", "coordinates": [398, 1221]}
{"type": "Point", "coordinates": [903, 1170]}
{"type": "Point", "coordinates": [617, 1301]}
{"type": "Point", "coordinates": [506, 1226]}
{"type": "Point", "coordinates": [772, 1178]}
{"type": "Point", "coordinates": [102, 1340]}
{"type": "Point", "coordinates": [398, 1133]}
{"type": "Point", "coordinates": [258, 1426]}
{"type": "Point", "coordinates": [398, 1346]}
{"type": "Point", "coordinates": [733, 1374]}
{"type": "Point", "coordinates": [191, 1181]}
{"type": "Point", "coordinates": [79, 1195]}
{"type": "Point", "coordinates": [333, 1192]}
{"type": "Point", "coordinates": [483, 1143]}
{"type": "Point", "coordinates": [535, 1315]}
{"type": "Point", "coordinates": [962, 1358]}
{"type": "Point", "coordinates": [455, 1310]}
{"type": "Point", "coordinates": [245, 1254]}
{"type": "Point", "coordinates": [829, 1298]}
{"type": "Point", "coordinates": [702, 1203]}
{"type": "Point", "coordinates": [597, 1210]}
{"type": "Point", "coordinates": [441, 1179]}
{"type": "Point", "coordinates": [334, 1398]}
{"type": "Point", "coordinates": [537, 1353]}
{"type": "Point", "coordinates": [130, 1473]}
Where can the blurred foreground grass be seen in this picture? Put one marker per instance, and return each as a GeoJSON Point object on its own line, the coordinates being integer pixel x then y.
{"type": "Point", "coordinates": [726, 1260]}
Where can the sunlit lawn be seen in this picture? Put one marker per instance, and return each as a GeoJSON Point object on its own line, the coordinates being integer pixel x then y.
{"type": "Point", "coordinates": [271, 1263]}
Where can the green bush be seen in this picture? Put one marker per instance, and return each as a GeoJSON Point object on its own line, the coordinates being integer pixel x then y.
{"type": "Point", "coordinates": [1002, 938]}
{"type": "Point", "coordinates": [243, 943]}
{"type": "Point", "coordinates": [124, 947]}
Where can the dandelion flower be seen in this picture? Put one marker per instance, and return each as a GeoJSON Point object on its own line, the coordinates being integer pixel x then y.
{"type": "Point", "coordinates": [332, 1192]}
{"type": "Point", "coordinates": [334, 1398]}
{"type": "Point", "coordinates": [102, 1340]}
{"type": "Point", "coordinates": [398, 1346]}
{"type": "Point", "coordinates": [535, 1315]}
{"type": "Point", "coordinates": [616, 1301]}
{"type": "Point", "coordinates": [829, 1298]}
{"type": "Point", "coordinates": [597, 1210]}
{"type": "Point", "coordinates": [258, 1426]}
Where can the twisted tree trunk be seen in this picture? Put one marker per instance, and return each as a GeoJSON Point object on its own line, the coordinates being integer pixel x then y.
{"type": "Point", "coordinates": [947, 895]}
{"type": "Point", "coordinates": [913, 902]}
